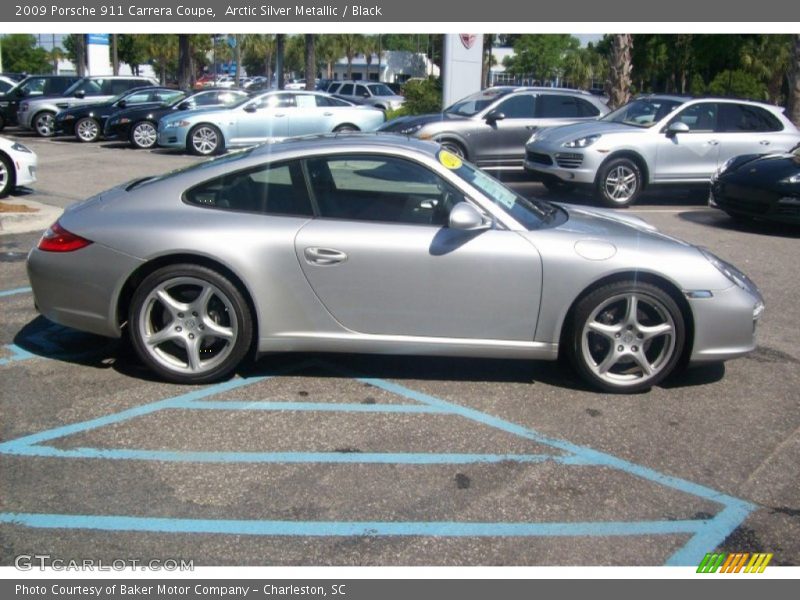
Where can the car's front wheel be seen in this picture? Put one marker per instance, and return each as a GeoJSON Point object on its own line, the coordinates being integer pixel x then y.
{"type": "Point", "coordinates": [87, 130]}
{"type": "Point", "coordinates": [190, 324]}
{"type": "Point", "coordinates": [619, 183]}
{"type": "Point", "coordinates": [44, 124]}
{"type": "Point", "coordinates": [626, 337]}
{"type": "Point", "coordinates": [7, 176]}
{"type": "Point", "coordinates": [143, 135]}
{"type": "Point", "coordinates": [205, 140]}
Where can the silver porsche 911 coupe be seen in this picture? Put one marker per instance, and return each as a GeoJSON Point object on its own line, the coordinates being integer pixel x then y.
{"type": "Point", "coordinates": [380, 244]}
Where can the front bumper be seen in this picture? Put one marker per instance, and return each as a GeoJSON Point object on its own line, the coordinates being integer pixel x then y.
{"type": "Point", "coordinates": [725, 324]}
{"type": "Point", "coordinates": [754, 202]}
{"type": "Point", "coordinates": [24, 119]}
{"type": "Point", "coordinates": [26, 165]}
{"type": "Point", "coordinates": [173, 137]}
{"type": "Point", "coordinates": [570, 165]}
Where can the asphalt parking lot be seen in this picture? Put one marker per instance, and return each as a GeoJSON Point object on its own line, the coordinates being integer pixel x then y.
{"type": "Point", "coordinates": [356, 460]}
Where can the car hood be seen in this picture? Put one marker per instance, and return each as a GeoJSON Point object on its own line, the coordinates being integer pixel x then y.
{"type": "Point", "coordinates": [567, 133]}
{"type": "Point", "coordinates": [403, 123]}
{"type": "Point", "coordinates": [195, 114]}
{"type": "Point", "coordinates": [769, 166]}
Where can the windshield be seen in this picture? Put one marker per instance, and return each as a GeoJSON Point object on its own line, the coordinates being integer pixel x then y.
{"type": "Point", "coordinates": [472, 105]}
{"type": "Point", "coordinates": [531, 213]}
{"type": "Point", "coordinates": [644, 112]}
{"type": "Point", "coordinates": [379, 89]}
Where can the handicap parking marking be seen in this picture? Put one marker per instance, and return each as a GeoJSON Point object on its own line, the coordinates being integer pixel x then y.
{"type": "Point", "coordinates": [705, 533]}
{"type": "Point", "coordinates": [15, 291]}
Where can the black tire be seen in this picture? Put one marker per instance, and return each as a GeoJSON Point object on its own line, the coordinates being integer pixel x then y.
{"type": "Point", "coordinates": [346, 128]}
{"type": "Point", "coordinates": [142, 133]}
{"type": "Point", "coordinates": [619, 350]}
{"type": "Point", "coordinates": [44, 123]}
{"type": "Point", "coordinates": [201, 344]}
{"type": "Point", "coordinates": [205, 140]}
{"type": "Point", "coordinates": [2, 122]}
{"type": "Point", "coordinates": [619, 183]}
{"type": "Point", "coordinates": [454, 147]}
{"type": "Point", "coordinates": [87, 130]}
{"type": "Point", "coordinates": [8, 176]}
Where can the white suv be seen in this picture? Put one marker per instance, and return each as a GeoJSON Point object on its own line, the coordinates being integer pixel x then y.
{"type": "Point", "coordinates": [656, 140]}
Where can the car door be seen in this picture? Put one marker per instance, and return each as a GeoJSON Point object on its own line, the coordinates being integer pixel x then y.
{"type": "Point", "coordinates": [306, 117]}
{"type": "Point", "coordinates": [498, 142]}
{"type": "Point", "coordinates": [262, 119]}
{"type": "Point", "coordinates": [693, 154]}
{"type": "Point", "coordinates": [383, 262]}
{"type": "Point", "coordinates": [749, 129]}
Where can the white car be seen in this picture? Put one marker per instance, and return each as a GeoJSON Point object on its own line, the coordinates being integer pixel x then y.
{"type": "Point", "coordinates": [17, 166]}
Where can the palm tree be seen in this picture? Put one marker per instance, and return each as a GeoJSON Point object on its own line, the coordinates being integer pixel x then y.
{"type": "Point", "coordinates": [350, 44]}
{"type": "Point", "coordinates": [185, 74]}
{"type": "Point", "coordinates": [620, 68]}
{"type": "Point", "coordinates": [56, 54]}
{"type": "Point", "coordinates": [328, 52]}
{"type": "Point", "coordinates": [369, 46]}
{"type": "Point", "coordinates": [262, 45]}
{"type": "Point", "coordinates": [794, 82]}
{"type": "Point", "coordinates": [311, 62]}
{"type": "Point", "coordinates": [114, 54]}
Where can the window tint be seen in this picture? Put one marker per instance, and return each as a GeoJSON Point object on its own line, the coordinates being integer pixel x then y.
{"type": "Point", "coordinates": [5, 86]}
{"type": "Point", "coordinates": [168, 96]}
{"type": "Point", "coordinates": [518, 107]}
{"type": "Point", "coordinates": [118, 86]}
{"type": "Point", "coordinates": [139, 98]}
{"type": "Point", "coordinates": [743, 117]}
{"type": "Point", "coordinates": [92, 87]}
{"type": "Point", "coordinates": [33, 87]}
{"type": "Point", "coordinates": [587, 109]}
{"type": "Point", "coordinates": [326, 101]}
{"type": "Point", "coordinates": [361, 90]}
{"type": "Point", "coordinates": [556, 106]}
{"type": "Point", "coordinates": [375, 188]}
{"type": "Point", "coordinates": [273, 189]}
{"type": "Point", "coordinates": [699, 117]}
{"type": "Point", "coordinates": [346, 89]}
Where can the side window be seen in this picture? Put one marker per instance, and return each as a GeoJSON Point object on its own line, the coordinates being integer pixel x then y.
{"type": "Point", "coordinates": [518, 107]}
{"type": "Point", "coordinates": [34, 87]}
{"type": "Point", "coordinates": [699, 117]}
{"type": "Point", "coordinates": [744, 118]}
{"type": "Point", "coordinates": [383, 189]}
{"type": "Point", "coordinates": [228, 98]}
{"type": "Point", "coordinates": [587, 109]}
{"type": "Point", "coordinates": [169, 97]}
{"type": "Point", "coordinates": [94, 87]}
{"type": "Point", "coordinates": [361, 90]}
{"type": "Point", "coordinates": [346, 89]}
{"type": "Point", "coordinates": [273, 189]}
{"type": "Point", "coordinates": [326, 101]}
{"type": "Point", "coordinates": [206, 99]}
{"type": "Point", "coordinates": [138, 98]}
{"type": "Point", "coordinates": [556, 106]}
{"type": "Point", "coordinates": [305, 101]}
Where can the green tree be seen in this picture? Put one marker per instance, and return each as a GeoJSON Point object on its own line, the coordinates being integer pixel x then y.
{"type": "Point", "coordinates": [738, 83]}
{"type": "Point", "coordinates": [768, 58]}
{"type": "Point", "coordinates": [132, 50]}
{"type": "Point", "coordinates": [163, 52]}
{"type": "Point", "coordinates": [258, 52]}
{"type": "Point", "coordinates": [620, 69]}
{"type": "Point", "coordinates": [793, 110]}
{"type": "Point", "coordinates": [21, 55]}
{"type": "Point", "coordinates": [369, 46]}
{"type": "Point", "coordinates": [328, 52]}
{"type": "Point", "coordinates": [350, 44]}
{"type": "Point", "coordinates": [541, 56]}
{"type": "Point", "coordinates": [311, 61]}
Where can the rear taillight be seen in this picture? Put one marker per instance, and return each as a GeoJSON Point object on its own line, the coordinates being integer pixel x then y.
{"type": "Point", "coordinates": [58, 239]}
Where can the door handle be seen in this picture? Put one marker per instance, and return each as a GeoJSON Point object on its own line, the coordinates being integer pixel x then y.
{"type": "Point", "coordinates": [531, 127]}
{"type": "Point", "coordinates": [324, 257]}
{"type": "Point", "coordinates": [280, 115]}
{"type": "Point", "coordinates": [327, 114]}
{"type": "Point", "coordinates": [764, 142]}
{"type": "Point", "coordinates": [713, 142]}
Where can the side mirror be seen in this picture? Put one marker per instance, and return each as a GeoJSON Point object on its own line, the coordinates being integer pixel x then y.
{"type": "Point", "coordinates": [495, 115]}
{"type": "Point", "coordinates": [365, 95]}
{"type": "Point", "coordinates": [122, 104]}
{"type": "Point", "coordinates": [465, 217]}
{"type": "Point", "coordinates": [184, 105]}
{"type": "Point", "coordinates": [251, 108]}
{"type": "Point", "coordinates": [677, 127]}
{"type": "Point", "coordinates": [80, 94]}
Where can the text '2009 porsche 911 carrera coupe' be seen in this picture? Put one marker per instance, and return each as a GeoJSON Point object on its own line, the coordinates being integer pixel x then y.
{"type": "Point", "coordinates": [381, 244]}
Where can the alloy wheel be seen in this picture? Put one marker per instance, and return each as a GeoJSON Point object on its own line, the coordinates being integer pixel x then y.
{"type": "Point", "coordinates": [205, 140]}
{"type": "Point", "coordinates": [145, 135]}
{"type": "Point", "coordinates": [621, 184]}
{"type": "Point", "coordinates": [87, 130]}
{"type": "Point", "coordinates": [45, 124]}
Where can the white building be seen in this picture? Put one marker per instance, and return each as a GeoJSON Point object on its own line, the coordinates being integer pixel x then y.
{"type": "Point", "coordinates": [395, 67]}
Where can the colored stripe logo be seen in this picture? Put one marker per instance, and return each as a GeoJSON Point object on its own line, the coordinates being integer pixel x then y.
{"type": "Point", "coordinates": [734, 562]}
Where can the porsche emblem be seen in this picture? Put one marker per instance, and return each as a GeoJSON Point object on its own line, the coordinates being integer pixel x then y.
{"type": "Point", "coordinates": [468, 39]}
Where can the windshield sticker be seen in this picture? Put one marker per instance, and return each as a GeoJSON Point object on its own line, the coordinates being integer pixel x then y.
{"type": "Point", "coordinates": [449, 160]}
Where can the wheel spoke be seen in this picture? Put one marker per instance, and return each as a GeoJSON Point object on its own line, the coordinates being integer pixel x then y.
{"type": "Point", "coordinates": [631, 309]}
{"type": "Point", "coordinates": [215, 330]}
{"type": "Point", "coordinates": [192, 352]}
{"type": "Point", "coordinates": [167, 334]}
{"type": "Point", "coordinates": [607, 331]}
{"type": "Point", "coordinates": [609, 361]}
{"type": "Point", "coordinates": [170, 303]}
{"type": "Point", "coordinates": [641, 360]}
{"type": "Point", "coordinates": [650, 332]}
{"type": "Point", "coordinates": [200, 304]}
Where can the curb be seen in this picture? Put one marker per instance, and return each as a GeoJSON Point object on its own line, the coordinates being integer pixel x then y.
{"type": "Point", "coordinates": [40, 220]}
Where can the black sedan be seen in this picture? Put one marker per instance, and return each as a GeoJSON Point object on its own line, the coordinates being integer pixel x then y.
{"type": "Point", "coordinates": [139, 124]}
{"type": "Point", "coordinates": [759, 186]}
{"type": "Point", "coordinates": [86, 122]}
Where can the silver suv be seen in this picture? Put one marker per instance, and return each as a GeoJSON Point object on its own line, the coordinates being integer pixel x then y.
{"type": "Point", "coordinates": [656, 140]}
{"type": "Point", "coordinates": [39, 113]}
{"type": "Point", "coordinates": [378, 95]}
{"type": "Point", "coordinates": [490, 127]}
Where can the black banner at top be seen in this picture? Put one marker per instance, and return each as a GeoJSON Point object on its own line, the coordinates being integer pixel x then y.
{"type": "Point", "coordinates": [344, 11]}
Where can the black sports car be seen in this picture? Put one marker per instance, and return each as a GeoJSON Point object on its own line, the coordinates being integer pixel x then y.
{"type": "Point", "coordinates": [139, 124]}
{"type": "Point", "coordinates": [86, 122]}
{"type": "Point", "coordinates": [759, 186]}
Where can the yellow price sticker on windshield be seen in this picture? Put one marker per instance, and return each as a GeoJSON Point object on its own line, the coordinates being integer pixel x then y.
{"type": "Point", "coordinates": [449, 160]}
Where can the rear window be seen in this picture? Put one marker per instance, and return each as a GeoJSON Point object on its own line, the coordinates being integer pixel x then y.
{"type": "Point", "coordinates": [747, 118]}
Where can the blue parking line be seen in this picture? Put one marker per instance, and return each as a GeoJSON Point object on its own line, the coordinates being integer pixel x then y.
{"type": "Point", "coordinates": [314, 406]}
{"type": "Point", "coordinates": [341, 457]}
{"type": "Point", "coordinates": [706, 534]}
{"type": "Point", "coordinates": [336, 528]}
{"type": "Point", "coordinates": [17, 354]}
{"type": "Point", "coordinates": [15, 291]}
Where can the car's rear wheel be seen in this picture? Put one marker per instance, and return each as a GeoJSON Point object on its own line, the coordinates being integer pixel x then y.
{"type": "Point", "coordinates": [347, 127]}
{"type": "Point", "coordinates": [626, 337]}
{"type": "Point", "coordinates": [619, 183]}
{"type": "Point", "coordinates": [87, 130]}
{"type": "Point", "coordinates": [44, 124]}
{"type": "Point", "coordinates": [190, 324]}
{"type": "Point", "coordinates": [143, 135]}
{"type": "Point", "coordinates": [205, 140]}
{"type": "Point", "coordinates": [7, 176]}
